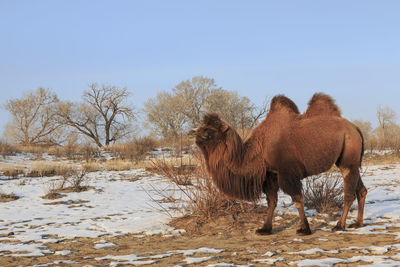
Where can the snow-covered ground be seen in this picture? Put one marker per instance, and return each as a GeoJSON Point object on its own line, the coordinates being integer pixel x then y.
{"type": "Point", "coordinates": [118, 204]}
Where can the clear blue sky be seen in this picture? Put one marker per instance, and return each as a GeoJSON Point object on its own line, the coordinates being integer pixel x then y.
{"type": "Point", "coordinates": [349, 49]}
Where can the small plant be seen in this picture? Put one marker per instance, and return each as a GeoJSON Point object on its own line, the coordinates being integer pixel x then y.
{"type": "Point", "coordinates": [324, 192]}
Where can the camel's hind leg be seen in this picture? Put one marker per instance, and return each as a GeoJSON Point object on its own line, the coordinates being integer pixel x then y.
{"type": "Point", "coordinates": [361, 193]}
{"type": "Point", "coordinates": [351, 177]}
{"type": "Point", "coordinates": [270, 188]}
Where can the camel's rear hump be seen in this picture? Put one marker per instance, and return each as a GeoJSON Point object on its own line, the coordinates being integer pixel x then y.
{"type": "Point", "coordinates": [322, 105]}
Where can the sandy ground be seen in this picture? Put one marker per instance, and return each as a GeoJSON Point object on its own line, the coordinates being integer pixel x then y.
{"type": "Point", "coordinates": [228, 243]}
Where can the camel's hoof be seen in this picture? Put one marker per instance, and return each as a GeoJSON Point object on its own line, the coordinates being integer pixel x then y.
{"type": "Point", "coordinates": [263, 231]}
{"type": "Point", "coordinates": [303, 232]}
{"type": "Point", "coordinates": [338, 228]}
{"type": "Point", "coordinates": [356, 225]}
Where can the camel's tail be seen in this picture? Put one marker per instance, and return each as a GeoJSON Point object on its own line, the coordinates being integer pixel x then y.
{"type": "Point", "coordinates": [362, 145]}
{"type": "Point", "coordinates": [322, 104]}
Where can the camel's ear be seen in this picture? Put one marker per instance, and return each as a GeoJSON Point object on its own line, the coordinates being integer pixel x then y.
{"type": "Point", "coordinates": [211, 119]}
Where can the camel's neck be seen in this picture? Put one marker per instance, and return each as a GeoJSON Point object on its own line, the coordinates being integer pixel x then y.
{"type": "Point", "coordinates": [237, 167]}
{"type": "Point", "coordinates": [240, 157]}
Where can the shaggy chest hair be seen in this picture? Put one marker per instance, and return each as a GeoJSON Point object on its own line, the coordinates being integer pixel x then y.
{"type": "Point", "coordinates": [234, 170]}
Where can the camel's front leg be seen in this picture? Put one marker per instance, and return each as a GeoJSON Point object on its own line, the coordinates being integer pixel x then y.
{"type": "Point", "coordinates": [304, 229]}
{"type": "Point", "coordinates": [270, 188]}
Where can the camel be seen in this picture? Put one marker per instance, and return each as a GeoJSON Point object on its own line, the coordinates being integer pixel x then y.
{"type": "Point", "coordinates": [282, 150]}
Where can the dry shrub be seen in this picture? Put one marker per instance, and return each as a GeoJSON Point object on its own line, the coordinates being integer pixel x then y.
{"type": "Point", "coordinates": [89, 152]}
{"type": "Point", "coordinates": [202, 199]}
{"type": "Point", "coordinates": [135, 150]}
{"type": "Point", "coordinates": [33, 149]}
{"type": "Point", "coordinates": [12, 171]}
{"type": "Point", "coordinates": [79, 180]}
{"type": "Point", "coordinates": [7, 149]}
{"type": "Point", "coordinates": [324, 192]}
{"type": "Point", "coordinates": [76, 179]}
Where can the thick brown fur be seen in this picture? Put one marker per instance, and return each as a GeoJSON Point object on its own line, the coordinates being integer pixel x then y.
{"type": "Point", "coordinates": [283, 149]}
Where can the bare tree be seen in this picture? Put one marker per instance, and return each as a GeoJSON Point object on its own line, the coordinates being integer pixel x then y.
{"type": "Point", "coordinates": [365, 127]}
{"type": "Point", "coordinates": [176, 112]}
{"type": "Point", "coordinates": [165, 114]}
{"type": "Point", "coordinates": [33, 118]}
{"type": "Point", "coordinates": [236, 110]}
{"type": "Point", "coordinates": [194, 94]}
{"type": "Point", "coordinates": [385, 116]}
{"type": "Point", "coordinates": [368, 133]}
{"type": "Point", "coordinates": [104, 114]}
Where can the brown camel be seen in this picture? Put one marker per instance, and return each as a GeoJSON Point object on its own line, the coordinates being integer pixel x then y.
{"type": "Point", "coordinates": [282, 150]}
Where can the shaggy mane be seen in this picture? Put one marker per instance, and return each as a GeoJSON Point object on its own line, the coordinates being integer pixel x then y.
{"type": "Point", "coordinates": [237, 181]}
{"type": "Point", "coordinates": [322, 105]}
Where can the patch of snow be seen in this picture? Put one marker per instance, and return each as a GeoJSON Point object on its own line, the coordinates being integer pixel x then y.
{"type": "Point", "coordinates": [191, 260]}
{"type": "Point", "coordinates": [269, 261]}
{"type": "Point", "coordinates": [63, 252]}
{"type": "Point", "coordinates": [191, 252]}
{"type": "Point", "coordinates": [105, 245]}
{"type": "Point", "coordinates": [269, 254]}
{"type": "Point", "coordinates": [314, 251]}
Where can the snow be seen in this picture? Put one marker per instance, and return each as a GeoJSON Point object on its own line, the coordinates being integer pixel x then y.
{"type": "Point", "coordinates": [191, 252]}
{"type": "Point", "coordinates": [116, 207]}
{"type": "Point", "coordinates": [191, 260]}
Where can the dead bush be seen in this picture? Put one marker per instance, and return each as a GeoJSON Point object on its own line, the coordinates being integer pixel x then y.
{"type": "Point", "coordinates": [79, 181]}
{"type": "Point", "coordinates": [197, 194]}
{"type": "Point", "coordinates": [324, 192]}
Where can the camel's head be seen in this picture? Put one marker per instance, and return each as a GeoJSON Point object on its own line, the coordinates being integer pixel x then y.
{"type": "Point", "coordinates": [210, 131]}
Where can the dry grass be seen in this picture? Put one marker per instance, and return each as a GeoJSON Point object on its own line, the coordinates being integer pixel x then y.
{"type": "Point", "coordinates": [12, 171]}
{"type": "Point", "coordinates": [45, 168]}
{"type": "Point", "coordinates": [7, 197]}
{"type": "Point", "coordinates": [378, 159]}
{"type": "Point", "coordinates": [92, 167]}
{"type": "Point", "coordinates": [118, 165]}
{"type": "Point", "coordinates": [136, 150]}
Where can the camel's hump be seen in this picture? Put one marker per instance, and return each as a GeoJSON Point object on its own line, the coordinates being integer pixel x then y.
{"type": "Point", "coordinates": [322, 104]}
{"type": "Point", "coordinates": [281, 101]}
